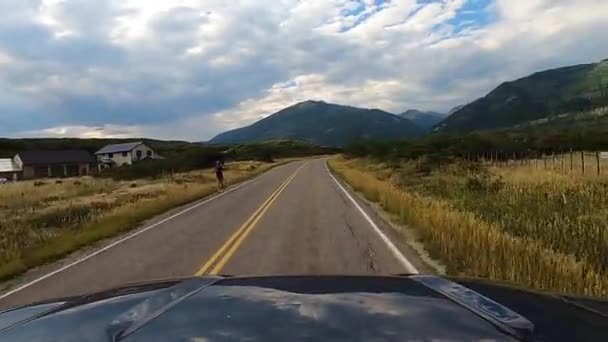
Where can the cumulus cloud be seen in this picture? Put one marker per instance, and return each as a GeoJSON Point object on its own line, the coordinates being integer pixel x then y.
{"type": "Point", "coordinates": [189, 69]}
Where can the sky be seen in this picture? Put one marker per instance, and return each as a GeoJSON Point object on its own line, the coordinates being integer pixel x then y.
{"type": "Point", "coordinates": [189, 69]}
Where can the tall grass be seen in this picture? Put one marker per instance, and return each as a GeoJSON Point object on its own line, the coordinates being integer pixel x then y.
{"type": "Point", "coordinates": [471, 243]}
{"type": "Point", "coordinates": [31, 235]}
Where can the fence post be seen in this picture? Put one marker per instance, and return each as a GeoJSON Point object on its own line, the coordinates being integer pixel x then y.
{"type": "Point", "coordinates": [583, 161]}
{"type": "Point", "coordinates": [597, 161]}
{"type": "Point", "coordinates": [571, 161]}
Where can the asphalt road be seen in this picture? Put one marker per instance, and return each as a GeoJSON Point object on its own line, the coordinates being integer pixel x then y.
{"type": "Point", "coordinates": [294, 219]}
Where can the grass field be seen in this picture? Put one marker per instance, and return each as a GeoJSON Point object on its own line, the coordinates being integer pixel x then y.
{"type": "Point", "coordinates": [540, 228]}
{"type": "Point", "coordinates": [43, 220]}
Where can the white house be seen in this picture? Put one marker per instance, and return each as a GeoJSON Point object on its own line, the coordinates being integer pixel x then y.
{"type": "Point", "coordinates": [124, 154]}
{"type": "Point", "coordinates": [9, 169]}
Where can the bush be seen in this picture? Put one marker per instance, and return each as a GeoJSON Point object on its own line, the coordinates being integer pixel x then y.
{"type": "Point", "coordinates": [265, 157]}
{"type": "Point", "coordinates": [429, 163]}
{"type": "Point", "coordinates": [484, 184]}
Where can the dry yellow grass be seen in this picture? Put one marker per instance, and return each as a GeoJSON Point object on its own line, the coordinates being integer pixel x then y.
{"type": "Point", "coordinates": [561, 165]}
{"type": "Point", "coordinates": [472, 245]}
{"type": "Point", "coordinates": [44, 220]}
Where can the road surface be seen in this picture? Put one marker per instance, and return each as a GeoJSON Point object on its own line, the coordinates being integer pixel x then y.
{"type": "Point", "coordinates": [294, 219]}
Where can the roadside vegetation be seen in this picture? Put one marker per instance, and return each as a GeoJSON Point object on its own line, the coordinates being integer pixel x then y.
{"type": "Point", "coordinates": [194, 158]}
{"type": "Point", "coordinates": [540, 228]}
{"type": "Point", "coordinates": [44, 220]}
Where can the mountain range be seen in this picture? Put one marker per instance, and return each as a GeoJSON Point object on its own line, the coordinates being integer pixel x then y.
{"type": "Point", "coordinates": [541, 95]}
{"type": "Point", "coordinates": [550, 97]}
{"type": "Point", "coordinates": [424, 120]}
{"type": "Point", "coordinates": [324, 124]}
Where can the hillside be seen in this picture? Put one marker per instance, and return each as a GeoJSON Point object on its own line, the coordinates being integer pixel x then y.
{"type": "Point", "coordinates": [323, 124]}
{"type": "Point", "coordinates": [540, 95]}
{"type": "Point", "coordinates": [424, 120]}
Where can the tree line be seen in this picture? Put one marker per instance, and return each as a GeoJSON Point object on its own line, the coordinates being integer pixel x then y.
{"type": "Point", "coordinates": [503, 144]}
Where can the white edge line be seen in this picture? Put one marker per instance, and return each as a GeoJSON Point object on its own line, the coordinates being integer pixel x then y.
{"type": "Point", "coordinates": [128, 237]}
{"type": "Point", "coordinates": [394, 250]}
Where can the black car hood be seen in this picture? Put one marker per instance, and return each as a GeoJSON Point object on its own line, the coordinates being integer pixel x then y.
{"type": "Point", "coordinates": [280, 308]}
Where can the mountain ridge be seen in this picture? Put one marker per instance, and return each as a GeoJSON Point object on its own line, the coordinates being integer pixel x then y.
{"type": "Point", "coordinates": [540, 95]}
{"type": "Point", "coordinates": [323, 123]}
{"type": "Point", "coordinates": [423, 119]}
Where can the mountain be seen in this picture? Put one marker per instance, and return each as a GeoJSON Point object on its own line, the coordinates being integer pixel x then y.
{"type": "Point", "coordinates": [455, 109]}
{"type": "Point", "coordinates": [541, 95]}
{"type": "Point", "coordinates": [323, 124]}
{"type": "Point", "coordinates": [424, 120]}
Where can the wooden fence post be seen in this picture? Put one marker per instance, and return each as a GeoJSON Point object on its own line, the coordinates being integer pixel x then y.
{"type": "Point", "coordinates": [583, 162]}
{"type": "Point", "coordinates": [597, 161]}
{"type": "Point", "coordinates": [571, 161]}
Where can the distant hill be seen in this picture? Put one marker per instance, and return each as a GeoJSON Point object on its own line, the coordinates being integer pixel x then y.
{"type": "Point", "coordinates": [541, 95]}
{"type": "Point", "coordinates": [424, 120]}
{"type": "Point", "coordinates": [323, 124]}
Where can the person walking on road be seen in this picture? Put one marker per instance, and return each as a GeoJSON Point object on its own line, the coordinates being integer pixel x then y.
{"type": "Point", "coordinates": [219, 174]}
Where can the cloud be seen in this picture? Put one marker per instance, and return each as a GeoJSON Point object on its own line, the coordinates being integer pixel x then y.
{"type": "Point", "coordinates": [189, 69]}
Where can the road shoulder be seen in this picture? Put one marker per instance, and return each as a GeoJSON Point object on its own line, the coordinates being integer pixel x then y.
{"type": "Point", "coordinates": [403, 237]}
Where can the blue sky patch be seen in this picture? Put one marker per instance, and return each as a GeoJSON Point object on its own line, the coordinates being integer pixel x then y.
{"type": "Point", "coordinates": [475, 13]}
{"type": "Point", "coordinates": [359, 13]}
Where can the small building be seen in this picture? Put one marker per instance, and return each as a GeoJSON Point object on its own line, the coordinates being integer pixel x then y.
{"type": "Point", "coordinates": [9, 170]}
{"type": "Point", "coordinates": [124, 154]}
{"type": "Point", "coordinates": [57, 163]}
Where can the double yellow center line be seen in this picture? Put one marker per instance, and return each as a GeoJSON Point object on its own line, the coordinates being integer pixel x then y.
{"type": "Point", "coordinates": [215, 264]}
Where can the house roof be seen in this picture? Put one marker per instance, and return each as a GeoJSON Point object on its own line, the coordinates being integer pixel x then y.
{"type": "Point", "coordinates": [7, 165]}
{"type": "Point", "coordinates": [55, 157]}
{"type": "Point", "coordinates": [117, 148]}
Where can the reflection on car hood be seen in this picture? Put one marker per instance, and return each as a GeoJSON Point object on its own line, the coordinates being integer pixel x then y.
{"type": "Point", "coordinates": [274, 308]}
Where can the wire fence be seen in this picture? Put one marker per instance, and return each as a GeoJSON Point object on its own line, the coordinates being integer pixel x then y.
{"type": "Point", "coordinates": [572, 162]}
